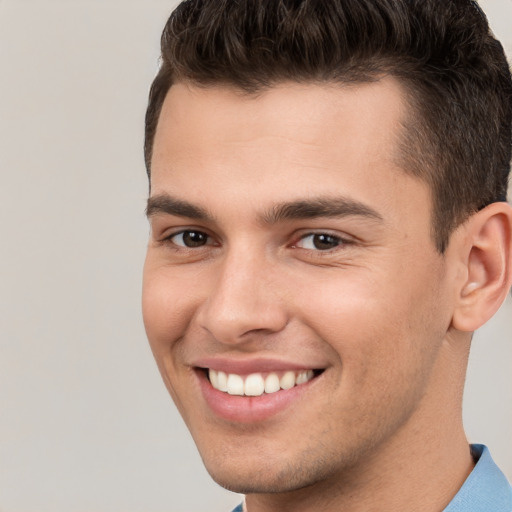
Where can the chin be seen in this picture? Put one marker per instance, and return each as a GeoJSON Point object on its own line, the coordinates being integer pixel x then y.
{"type": "Point", "coordinates": [268, 475]}
{"type": "Point", "coordinates": [257, 483]}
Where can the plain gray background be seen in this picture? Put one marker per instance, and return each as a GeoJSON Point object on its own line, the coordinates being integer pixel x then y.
{"type": "Point", "coordinates": [85, 422]}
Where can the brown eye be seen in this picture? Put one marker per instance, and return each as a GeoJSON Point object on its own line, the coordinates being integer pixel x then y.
{"type": "Point", "coordinates": [190, 239]}
{"type": "Point", "coordinates": [319, 242]}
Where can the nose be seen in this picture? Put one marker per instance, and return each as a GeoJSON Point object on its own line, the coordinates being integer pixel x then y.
{"type": "Point", "coordinates": [244, 302]}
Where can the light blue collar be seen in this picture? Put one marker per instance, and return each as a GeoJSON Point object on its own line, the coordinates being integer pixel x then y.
{"type": "Point", "coordinates": [485, 490]}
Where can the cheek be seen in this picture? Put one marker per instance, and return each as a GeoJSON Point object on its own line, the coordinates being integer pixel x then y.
{"type": "Point", "coordinates": [382, 329]}
{"type": "Point", "coordinates": [167, 307]}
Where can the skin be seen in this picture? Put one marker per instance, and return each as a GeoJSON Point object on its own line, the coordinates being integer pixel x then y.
{"type": "Point", "coordinates": [384, 314]}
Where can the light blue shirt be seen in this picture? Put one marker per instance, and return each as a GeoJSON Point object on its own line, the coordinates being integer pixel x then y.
{"type": "Point", "coordinates": [485, 490]}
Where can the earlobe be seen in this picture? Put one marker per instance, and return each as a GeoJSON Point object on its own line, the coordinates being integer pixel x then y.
{"type": "Point", "coordinates": [487, 254]}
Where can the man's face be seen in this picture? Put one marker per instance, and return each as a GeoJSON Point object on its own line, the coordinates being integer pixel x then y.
{"type": "Point", "coordinates": [288, 249]}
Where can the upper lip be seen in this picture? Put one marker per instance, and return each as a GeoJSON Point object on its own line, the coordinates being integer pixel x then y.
{"type": "Point", "coordinates": [254, 365]}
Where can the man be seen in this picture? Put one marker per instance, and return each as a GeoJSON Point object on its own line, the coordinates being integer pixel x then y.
{"type": "Point", "coordinates": [328, 227]}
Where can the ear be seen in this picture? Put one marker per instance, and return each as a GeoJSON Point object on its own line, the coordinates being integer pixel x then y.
{"type": "Point", "coordinates": [486, 252]}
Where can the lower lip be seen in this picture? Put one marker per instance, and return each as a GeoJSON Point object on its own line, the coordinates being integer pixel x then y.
{"type": "Point", "coordinates": [250, 409]}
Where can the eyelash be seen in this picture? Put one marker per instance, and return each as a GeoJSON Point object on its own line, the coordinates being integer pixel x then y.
{"type": "Point", "coordinates": [336, 240]}
{"type": "Point", "coordinates": [169, 239]}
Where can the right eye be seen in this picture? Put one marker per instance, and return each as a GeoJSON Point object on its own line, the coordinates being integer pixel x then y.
{"type": "Point", "coordinates": [190, 239]}
{"type": "Point", "coordinates": [320, 242]}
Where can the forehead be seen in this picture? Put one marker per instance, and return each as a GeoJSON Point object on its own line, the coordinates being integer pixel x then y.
{"type": "Point", "coordinates": [311, 113]}
{"type": "Point", "coordinates": [283, 143]}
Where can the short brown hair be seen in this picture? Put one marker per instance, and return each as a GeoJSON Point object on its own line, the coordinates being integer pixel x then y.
{"type": "Point", "coordinates": [456, 74]}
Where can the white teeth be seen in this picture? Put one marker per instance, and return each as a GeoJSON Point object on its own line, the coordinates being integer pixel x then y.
{"type": "Point", "coordinates": [235, 384]}
{"type": "Point", "coordinates": [304, 376]}
{"type": "Point", "coordinates": [301, 378]}
{"type": "Point", "coordinates": [287, 380]}
{"type": "Point", "coordinates": [255, 384]}
{"type": "Point", "coordinates": [222, 381]}
{"type": "Point", "coordinates": [272, 383]}
{"type": "Point", "coordinates": [213, 376]}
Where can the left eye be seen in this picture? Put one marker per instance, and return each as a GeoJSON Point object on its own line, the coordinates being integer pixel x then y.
{"type": "Point", "coordinates": [190, 239]}
{"type": "Point", "coordinates": [319, 242]}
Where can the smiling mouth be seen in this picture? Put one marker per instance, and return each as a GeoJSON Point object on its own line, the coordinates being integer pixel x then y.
{"type": "Point", "coordinates": [258, 384]}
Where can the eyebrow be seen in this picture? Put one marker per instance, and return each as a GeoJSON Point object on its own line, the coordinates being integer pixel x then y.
{"type": "Point", "coordinates": [293, 210]}
{"type": "Point", "coordinates": [320, 207]}
{"type": "Point", "coordinates": [166, 204]}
